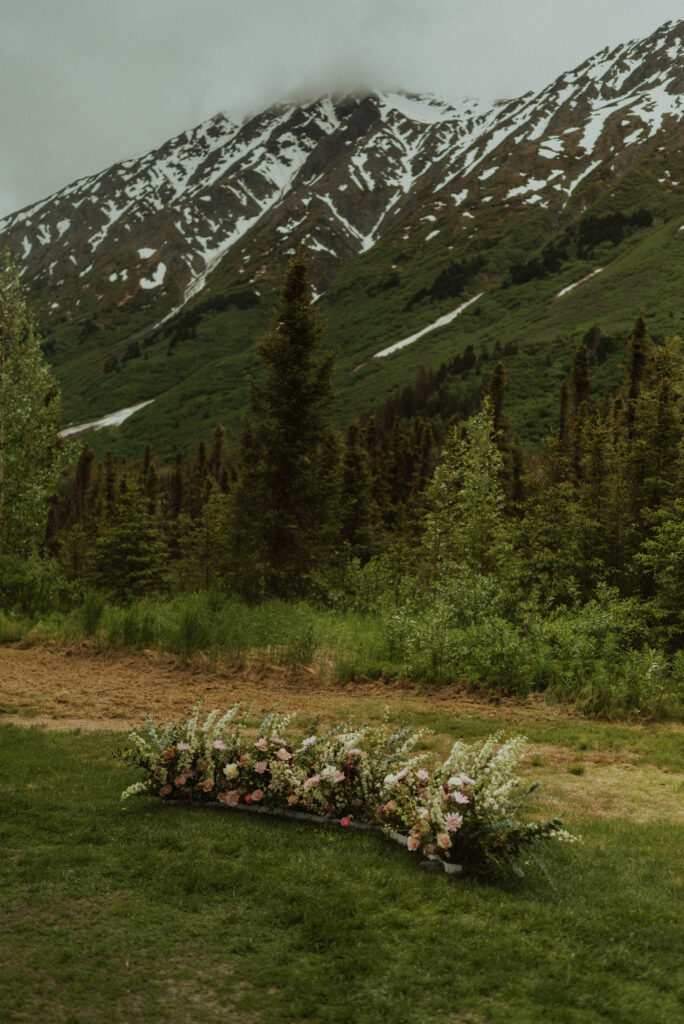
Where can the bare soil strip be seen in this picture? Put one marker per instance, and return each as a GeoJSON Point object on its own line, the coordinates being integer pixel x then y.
{"type": "Point", "coordinates": [115, 690]}
{"type": "Point", "coordinates": [67, 689]}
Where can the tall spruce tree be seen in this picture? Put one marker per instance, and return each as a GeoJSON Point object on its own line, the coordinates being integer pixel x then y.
{"type": "Point", "coordinates": [640, 350]}
{"type": "Point", "coordinates": [288, 473]}
{"type": "Point", "coordinates": [130, 554]}
{"type": "Point", "coordinates": [355, 512]}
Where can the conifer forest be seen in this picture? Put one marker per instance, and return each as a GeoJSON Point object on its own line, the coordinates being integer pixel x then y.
{"type": "Point", "coordinates": [556, 568]}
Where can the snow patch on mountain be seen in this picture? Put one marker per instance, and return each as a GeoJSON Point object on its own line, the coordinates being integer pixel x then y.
{"type": "Point", "coordinates": [576, 284]}
{"type": "Point", "coordinates": [113, 419]}
{"type": "Point", "coordinates": [156, 279]}
{"type": "Point", "coordinates": [441, 322]}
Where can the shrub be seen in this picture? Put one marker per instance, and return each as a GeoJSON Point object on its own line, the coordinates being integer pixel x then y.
{"type": "Point", "coordinates": [34, 586]}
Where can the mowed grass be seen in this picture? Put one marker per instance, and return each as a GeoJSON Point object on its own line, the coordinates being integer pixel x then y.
{"type": "Point", "coordinates": [154, 913]}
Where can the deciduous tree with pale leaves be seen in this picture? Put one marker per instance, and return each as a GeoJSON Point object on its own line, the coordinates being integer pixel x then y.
{"type": "Point", "coordinates": [31, 453]}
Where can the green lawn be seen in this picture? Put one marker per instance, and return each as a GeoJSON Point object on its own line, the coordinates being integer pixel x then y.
{"type": "Point", "coordinates": [160, 913]}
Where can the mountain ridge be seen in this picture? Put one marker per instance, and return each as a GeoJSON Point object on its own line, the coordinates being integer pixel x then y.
{"type": "Point", "coordinates": [212, 215]}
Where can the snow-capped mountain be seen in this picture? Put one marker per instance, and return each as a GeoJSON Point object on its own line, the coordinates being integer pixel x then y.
{"type": "Point", "coordinates": [409, 207]}
{"type": "Point", "coordinates": [336, 174]}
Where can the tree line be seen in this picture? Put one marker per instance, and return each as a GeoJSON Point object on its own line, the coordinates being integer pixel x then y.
{"type": "Point", "coordinates": [599, 504]}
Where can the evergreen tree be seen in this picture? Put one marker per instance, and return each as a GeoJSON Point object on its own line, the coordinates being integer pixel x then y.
{"type": "Point", "coordinates": [355, 517]}
{"type": "Point", "coordinates": [206, 542]}
{"type": "Point", "coordinates": [498, 383]}
{"type": "Point", "coordinates": [82, 479]}
{"type": "Point", "coordinates": [218, 459]}
{"type": "Point", "coordinates": [564, 416]}
{"type": "Point", "coordinates": [130, 556]}
{"type": "Point", "coordinates": [581, 379]}
{"type": "Point", "coordinates": [639, 362]}
{"type": "Point", "coordinates": [281, 512]}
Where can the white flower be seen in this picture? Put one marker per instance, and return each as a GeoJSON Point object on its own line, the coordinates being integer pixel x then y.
{"type": "Point", "coordinates": [309, 741]}
{"type": "Point", "coordinates": [230, 771]}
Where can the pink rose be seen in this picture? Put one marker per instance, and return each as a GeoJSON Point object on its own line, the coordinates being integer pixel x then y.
{"type": "Point", "coordinates": [244, 758]}
{"type": "Point", "coordinates": [219, 745]}
{"type": "Point", "coordinates": [257, 795]}
{"type": "Point", "coordinates": [180, 781]}
{"type": "Point", "coordinates": [293, 799]}
{"type": "Point", "coordinates": [283, 754]}
{"type": "Point", "coordinates": [165, 790]}
{"type": "Point", "coordinates": [391, 805]}
{"type": "Point", "coordinates": [345, 822]}
{"type": "Point", "coordinates": [208, 785]}
{"type": "Point", "coordinates": [338, 777]}
{"type": "Point", "coordinates": [260, 767]}
{"type": "Point", "coordinates": [443, 840]}
{"type": "Point", "coordinates": [413, 843]}
{"type": "Point", "coordinates": [231, 798]}
{"type": "Point", "coordinates": [261, 744]}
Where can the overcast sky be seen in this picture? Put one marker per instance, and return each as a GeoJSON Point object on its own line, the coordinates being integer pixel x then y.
{"type": "Point", "coordinates": [84, 83]}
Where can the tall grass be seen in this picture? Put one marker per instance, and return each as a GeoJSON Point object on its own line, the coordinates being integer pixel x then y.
{"type": "Point", "coordinates": [214, 624]}
{"type": "Point", "coordinates": [595, 657]}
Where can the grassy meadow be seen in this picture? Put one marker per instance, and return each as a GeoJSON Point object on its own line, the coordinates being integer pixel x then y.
{"type": "Point", "coordinates": [146, 912]}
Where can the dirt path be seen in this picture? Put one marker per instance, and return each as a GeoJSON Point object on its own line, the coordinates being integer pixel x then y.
{"type": "Point", "coordinates": [115, 691]}
{"type": "Point", "coordinates": [79, 689]}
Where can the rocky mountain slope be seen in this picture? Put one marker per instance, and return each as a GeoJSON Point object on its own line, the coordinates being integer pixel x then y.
{"type": "Point", "coordinates": [408, 206]}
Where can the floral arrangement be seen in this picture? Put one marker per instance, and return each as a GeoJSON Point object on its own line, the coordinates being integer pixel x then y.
{"type": "Point", "coordinates": [466, 810]}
